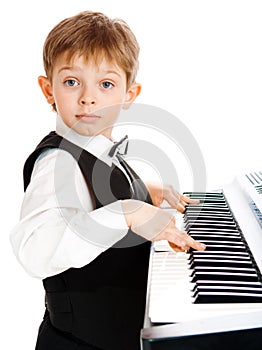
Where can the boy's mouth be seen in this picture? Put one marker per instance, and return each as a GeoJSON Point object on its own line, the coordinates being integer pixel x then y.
{"type": "Point", "coordinates": [88, 118]}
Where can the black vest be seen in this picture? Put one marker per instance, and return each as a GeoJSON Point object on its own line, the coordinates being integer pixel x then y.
{"type": "Point", "coordinates": [103, 302]}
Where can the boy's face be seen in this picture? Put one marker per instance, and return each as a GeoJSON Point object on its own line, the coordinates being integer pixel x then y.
{"type": "Point", "coordinates": [88, 96]}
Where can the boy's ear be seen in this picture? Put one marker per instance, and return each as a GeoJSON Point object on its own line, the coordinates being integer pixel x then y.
{"type": "Point", "coordinates": [132, 93]}
{"type": "Point", "coordinates": [46, 88]}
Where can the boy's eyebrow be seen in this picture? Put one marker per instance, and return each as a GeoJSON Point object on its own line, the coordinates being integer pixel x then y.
{"type": "Point", "coordinates": [112, 71]}
{"type": "Point", "coordinates": [65, 68]}
{"type": "Point", "coordinates": [107, 71]}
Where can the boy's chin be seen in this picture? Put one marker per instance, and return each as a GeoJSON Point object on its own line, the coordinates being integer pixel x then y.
{"type": "Point", "coordinates": [89, 132]}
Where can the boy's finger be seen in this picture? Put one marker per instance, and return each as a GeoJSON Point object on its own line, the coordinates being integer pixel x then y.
{"type": "Point", "coordinates": [188, 241]}
{"type": "Point", "coordinates": [188, 200]}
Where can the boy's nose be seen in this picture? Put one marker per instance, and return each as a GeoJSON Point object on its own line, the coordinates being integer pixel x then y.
{"type": "Point", "coordinates": [87, 101]}
{"type": "Point", "coordinates": [87, 97]}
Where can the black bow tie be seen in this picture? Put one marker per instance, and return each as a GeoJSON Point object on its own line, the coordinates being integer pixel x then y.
{"type": "Point", "coordinates": [119, 148]}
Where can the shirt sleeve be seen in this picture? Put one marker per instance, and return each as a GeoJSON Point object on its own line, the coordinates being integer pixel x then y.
{"type": "Point", "coordinates": [59, 227]}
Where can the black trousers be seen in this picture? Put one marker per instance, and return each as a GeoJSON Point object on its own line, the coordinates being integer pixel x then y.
{"type": "Point", "coordinates": [50, 338]}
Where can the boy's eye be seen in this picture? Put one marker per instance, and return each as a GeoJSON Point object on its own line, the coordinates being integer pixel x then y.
{"type": "Point", "coordinates": [71, 82]}
{"type": "Point", "coordinates": [107, 85]}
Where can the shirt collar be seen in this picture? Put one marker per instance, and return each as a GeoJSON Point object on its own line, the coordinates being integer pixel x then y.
{"type": "Point", "coordinates": [98, 145]}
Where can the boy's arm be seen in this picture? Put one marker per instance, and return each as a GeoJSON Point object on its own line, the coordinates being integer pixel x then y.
{"type": "Point", "coordinates": [161, 224]}
{"type": "Point", "coordinates": [59, 227]}
{"type": "Point", "coordinates": [157, 224]}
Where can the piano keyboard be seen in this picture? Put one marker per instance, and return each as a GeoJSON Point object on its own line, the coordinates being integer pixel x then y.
{"type": "Point", "coordinates": [222, 280]}
{"type": "Point", "coordinates": [226, 271]}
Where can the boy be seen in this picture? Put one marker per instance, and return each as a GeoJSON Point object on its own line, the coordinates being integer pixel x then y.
{"type": "Point", "coordinates": [87, 218]}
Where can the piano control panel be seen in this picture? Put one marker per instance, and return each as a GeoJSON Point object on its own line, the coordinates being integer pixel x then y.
{"type": "Point", "coordinates": [251, 185]}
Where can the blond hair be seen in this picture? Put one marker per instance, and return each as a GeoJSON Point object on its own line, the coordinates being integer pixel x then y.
{"type": "Point", "coordinates": [93, 35]}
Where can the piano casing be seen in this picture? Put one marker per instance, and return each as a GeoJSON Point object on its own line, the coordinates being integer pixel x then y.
{"type": "Point", "coordinates": [174, 319]}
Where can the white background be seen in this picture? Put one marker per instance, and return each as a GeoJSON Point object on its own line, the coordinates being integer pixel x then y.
{"type": "Point", "coordinates": [200, 60]}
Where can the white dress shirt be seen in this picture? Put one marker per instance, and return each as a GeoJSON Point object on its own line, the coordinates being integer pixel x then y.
{"type": "Point", "coordinates": [59, 227]}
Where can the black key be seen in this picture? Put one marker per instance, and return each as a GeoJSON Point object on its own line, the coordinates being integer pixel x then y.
{"type": "Point", "coordinates": [224, 276]}
{"type": "Point", "coordinates": [234, 245]}
{"type": "Point", "coordinates": [207, 232]}
{"type": "Point", "coordinates": [227, 297]}
{"type": "Point", "coordinates": [195, 208]}
{"type": "Point", "coordinates": [220, 254]}
{"type": "Point", "coordinates": [207, 207]}
{"type": "Point", "coordinates": [201, 214]}
{"type": "Point", "coordinates": [229, 289]}
{"type": "Point", "coordinates": [205, 194]}
{"type": "Point", "coordinates": [215, 237]}
{"type": "Point", "coordinates": [208, 218]}
{"type": "Point", "coordinates": [221, 263]}
{"type": "Point", "coordinates": [221, 284]}
{"type": "Point", "coordinates": [211, 225]}
{"type": "Point", "coordinates": [224, 247]}
{"type": "Point", "coordinates": [228, 282]}
{"type": "Point", "coordinates": [223, 269]}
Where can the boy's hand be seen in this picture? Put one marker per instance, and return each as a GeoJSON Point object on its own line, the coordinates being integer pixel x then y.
{"type": "Point", "coordinates": [155, 224]}
{"type": "Point", "coordinates": [159, 193]}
